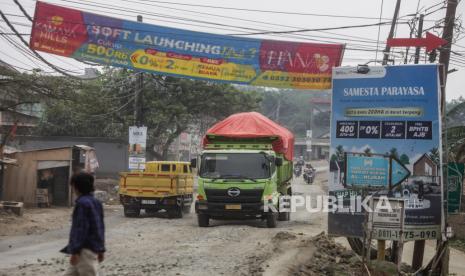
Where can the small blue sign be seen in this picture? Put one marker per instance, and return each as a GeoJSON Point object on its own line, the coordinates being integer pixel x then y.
{"type": "Point", "coordinates": [367, 170]}
{"type": "Point", "coordinates": [398, 172]}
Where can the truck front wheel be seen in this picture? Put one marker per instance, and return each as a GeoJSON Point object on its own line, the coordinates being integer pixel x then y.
{"type": "Point", "coordinates": [284, 216]}
{"type": "Point", "coordinates": [271, 219]}
{"type": "Point", "coordinates": [131, 212]}
{"type": "Point", "coordinates": [203, 220]}
{"type": "Point", "coordinates": [186, 209]}
{"type": "Point", "coordinates": [176, 212]}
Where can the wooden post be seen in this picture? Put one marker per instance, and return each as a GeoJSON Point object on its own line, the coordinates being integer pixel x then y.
{"type": "Point", "coordinates": [400, 245]}
{"type": "Point", "coordinates": [418, 253]}
{"type": "Point", "coordinates": [391, 32]}
{"type": "Point", "coordinates": [381, 250]}
{"type": "Point", "coordinates": [419, 245]}
{"type": "Point", "coordinates": [139, 95]}
{"type": "Point", "coordinates": [444, 59]}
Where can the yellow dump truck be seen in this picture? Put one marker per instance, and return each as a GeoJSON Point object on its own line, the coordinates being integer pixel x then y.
{"type": "Point", "coordinates": [163, 185]}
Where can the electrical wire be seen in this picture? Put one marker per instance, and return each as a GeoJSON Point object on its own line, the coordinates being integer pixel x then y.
{"type": "Point", "coordinates": [203, 22]}
{"type": "Point", "coordinates": [361, 47]}
{"type": "Point", "coordinates": [264, 11]}
{"type": "Point", "coordinates": [169, 16]}
{"type": "Point", "coordinates": [31, 20]}
{"type": "Point", "coordinates": [236, 38]}
{"type": "Point", "coordinates": [35, 53]}
{"type": "Point", "coordinates": [229, 17]}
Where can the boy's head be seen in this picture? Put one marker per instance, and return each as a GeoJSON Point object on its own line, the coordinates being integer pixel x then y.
{"type": "Point", "coordinates": [83, 183]}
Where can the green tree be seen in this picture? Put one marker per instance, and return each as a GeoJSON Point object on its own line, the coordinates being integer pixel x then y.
{"type": "Point", "coordinates": [292, 109]}
{"type": "Point", "coordinates": [338, 155]}
{"type": "Point", "coordinates": [404, 159]}
{"type": "Point", "coordinates": [105, 108]}
{"type": "Point", "coordinates": [435, 155]}
{"type": "Point", "coordinates": [22, 93]}
{"type": "Point", "coordinates": [393, 153]}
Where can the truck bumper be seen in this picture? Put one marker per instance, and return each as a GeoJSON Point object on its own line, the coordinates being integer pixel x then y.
{"type": "Point", "coordinates": [225, 211]}
{"type": "Point", "coordinates": [157, 203]}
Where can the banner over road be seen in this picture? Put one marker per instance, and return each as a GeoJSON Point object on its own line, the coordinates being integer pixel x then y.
{"type": "Point", "coordinates": [176, 52]}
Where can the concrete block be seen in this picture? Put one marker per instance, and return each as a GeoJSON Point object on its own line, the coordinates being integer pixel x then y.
{"type": "Point", "coordinates": [16, 207]}
{"type": "Point", "coordinates": [457, 222]}
{"type": "Point", "coordinates": [101, 196]}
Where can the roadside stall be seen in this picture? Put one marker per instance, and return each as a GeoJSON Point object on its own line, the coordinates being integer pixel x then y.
{"type": "Point", "coordinates": [41, 177]}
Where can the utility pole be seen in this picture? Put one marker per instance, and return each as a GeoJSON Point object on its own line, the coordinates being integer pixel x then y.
{"type": "Point", "coordinates": [419, 245]}
{"type": "Point", "coordinates": [138, 100]}
{"type": "Point", "coordinates": [447, 34]}
{"type": "Point", "coordinates": [419, 35]}
{"type": "Point", "coordinates": [391, 32]}
{"type": "Point", "coordinates": [278, 108]}
{"type": "Point", "coordinates": [444, 58]}
{"type": "Point", "coordinates": [381, 243]}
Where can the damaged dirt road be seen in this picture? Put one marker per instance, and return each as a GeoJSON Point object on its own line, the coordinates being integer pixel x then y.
{"type": "Point", "coordinates": [161, 246]}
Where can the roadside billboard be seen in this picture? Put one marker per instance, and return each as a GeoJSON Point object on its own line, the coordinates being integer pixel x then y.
{"type": "Point", "coordinates": [137, 147]}
{"type": "Point", "coordinates": [183, 53]}
{"type": "Point", "coordinates": [387, 120]}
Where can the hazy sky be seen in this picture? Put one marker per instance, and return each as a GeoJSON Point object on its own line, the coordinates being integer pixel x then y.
{"type": "Point", "coordinates": [361, 42]}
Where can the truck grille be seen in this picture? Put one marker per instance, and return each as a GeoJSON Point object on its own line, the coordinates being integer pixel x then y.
{"type": "Point", "coordinates": [245, 196]}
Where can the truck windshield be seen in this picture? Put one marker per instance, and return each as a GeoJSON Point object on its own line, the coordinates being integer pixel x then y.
{"type": "Point", "coordinates": [235, 165]}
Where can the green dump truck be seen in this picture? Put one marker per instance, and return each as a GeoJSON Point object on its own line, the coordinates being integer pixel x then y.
{"type": "Point", "coordinates": [245, 170]}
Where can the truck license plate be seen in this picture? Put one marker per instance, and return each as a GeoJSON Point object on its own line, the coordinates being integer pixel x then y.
{"type": "Point", "coordinates": [233, 207]}
{"type": "Point", "coordinates": [149, 201]}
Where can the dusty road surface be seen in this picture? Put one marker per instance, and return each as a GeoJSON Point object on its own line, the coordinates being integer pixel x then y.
{"type": "Point", "coordinates": [161, 246]}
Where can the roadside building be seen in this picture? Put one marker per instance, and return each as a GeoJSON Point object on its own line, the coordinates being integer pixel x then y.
{"type": "Point", "coordinates": [46, 169]}
{"type": "Point", "coordinates": [112, 153]}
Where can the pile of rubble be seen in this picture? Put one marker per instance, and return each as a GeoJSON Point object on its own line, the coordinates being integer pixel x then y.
{"type": "Point", "coordinates": [329, 258]}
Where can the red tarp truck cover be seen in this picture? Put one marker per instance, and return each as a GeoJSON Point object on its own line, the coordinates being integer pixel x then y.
{"type": "Point", "coordinates": [254, 125]}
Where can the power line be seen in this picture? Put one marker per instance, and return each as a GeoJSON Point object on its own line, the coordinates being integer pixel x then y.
{"type": "Point", "coordinates": [35, 53]}
{"type": "Point", "coordinates": [13, 34]}
{"type": "Point", "coordinates": [235, 18]}
{"type": "Point", "coordinates": [23, 10]}
{"type": "Point", "coordinates": [264, 11]}
{"type": "Point", "coordinates": [206, 22]}
{"type": "Point", "coordinates": [31, 20]}
{"type": "Point", "coordinates": [238, 39]}
{"type": "Point", "coordinates": [235, 39]}
{"type": "Point", "coordinates": [27, 53]}
{"type": "Point", "coordinates": [295, 36]}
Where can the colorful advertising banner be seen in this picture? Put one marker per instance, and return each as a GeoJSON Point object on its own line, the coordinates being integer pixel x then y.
{"type": "Point", "coordinates": [183, 53]}
{"type": "Point", "coordinates": [385, 129]}
{"type": "Point", "coordinates": [137, 147]}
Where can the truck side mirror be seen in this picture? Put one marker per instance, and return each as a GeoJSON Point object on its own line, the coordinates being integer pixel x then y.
{"type": "Point", "coordinates": [194, 163]}
{"type": "Point", "coordinates": [278, 161]}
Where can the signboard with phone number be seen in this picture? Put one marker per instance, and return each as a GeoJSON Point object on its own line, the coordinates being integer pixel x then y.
{"type": "Point", "coordinates": [409, 235]}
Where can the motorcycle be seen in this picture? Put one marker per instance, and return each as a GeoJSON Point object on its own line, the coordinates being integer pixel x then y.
{"type": "Point", "coordinates": [309, 175]}
{"type": "Point", "coordinates": [297, 171]}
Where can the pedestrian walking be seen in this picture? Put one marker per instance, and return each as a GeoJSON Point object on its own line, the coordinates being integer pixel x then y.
{"type": "Point", "coordinates": [87, 236]}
